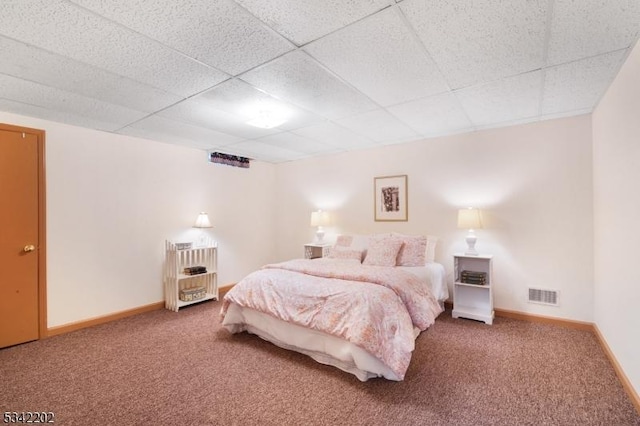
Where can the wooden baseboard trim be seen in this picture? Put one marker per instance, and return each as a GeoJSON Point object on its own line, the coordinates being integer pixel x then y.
{"type": "Point", "coordinates": [224, 290]}
{"type": "Point", "coordinates": [624, 380]}
{"type": "Point", "coordinates": [67, 328]}
{"type": "Point", "coordinates": [579, 325]}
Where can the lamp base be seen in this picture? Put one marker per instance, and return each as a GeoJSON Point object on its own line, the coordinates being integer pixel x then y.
{"type": "Point", "coordinates": [471, 244]}
{"type": "Point", "coordinates": [320, 235]}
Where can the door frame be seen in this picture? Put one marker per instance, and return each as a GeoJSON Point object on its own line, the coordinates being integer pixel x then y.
{"type": "Point", "coordinates": [42, 225]}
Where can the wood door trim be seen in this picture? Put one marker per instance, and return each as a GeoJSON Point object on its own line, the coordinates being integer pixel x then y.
{"type": "Point", "coordinates": [42, 225]}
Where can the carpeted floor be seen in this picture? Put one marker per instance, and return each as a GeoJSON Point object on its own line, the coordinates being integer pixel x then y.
{"type": "Point", "coordinates": [181, 368]}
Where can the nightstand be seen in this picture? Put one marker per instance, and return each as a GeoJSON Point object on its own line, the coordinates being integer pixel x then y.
{"type": "Point", "coordinates": [473, 287]}
{"type": "Point", "coordinates": [316, 251]}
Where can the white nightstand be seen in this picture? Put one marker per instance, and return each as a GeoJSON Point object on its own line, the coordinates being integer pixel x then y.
{"type": "Point", "coordinates": [177, 280]}
{"type": "Point", "coordinates": [315, 251]}
{"type": "Point", "coordinates": [470, 298]}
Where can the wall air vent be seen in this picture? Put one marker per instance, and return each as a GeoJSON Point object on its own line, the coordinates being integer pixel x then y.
{"type": "Point", "coordinates": [543, 296]}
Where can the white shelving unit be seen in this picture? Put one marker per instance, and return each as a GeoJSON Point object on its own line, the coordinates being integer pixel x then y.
{"type": "Point", "coordinates": [473, 301]}
{"type": "Point", "coordinates": [315, 251]}
{"type": "Point", "coordinates": [175, 279]}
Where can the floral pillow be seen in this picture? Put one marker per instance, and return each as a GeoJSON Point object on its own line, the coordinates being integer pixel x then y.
{"type": "Point", "coordinates": [345, 253]}
{"type": "Point", "coordinates": [412, 252]}
{"type": "Point", "coordinates": [383, 252]}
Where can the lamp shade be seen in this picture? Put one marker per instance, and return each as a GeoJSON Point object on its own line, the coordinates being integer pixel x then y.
{"type": "Point", "coordinates": [320, 218]}
{"type": "Point", "coordinates": [202, 221]}
{"type": "Point", "coordinates": [469, 219]}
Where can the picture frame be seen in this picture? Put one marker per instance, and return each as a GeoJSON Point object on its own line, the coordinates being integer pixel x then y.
{"type": "Point", "coordinates": [390, 199]}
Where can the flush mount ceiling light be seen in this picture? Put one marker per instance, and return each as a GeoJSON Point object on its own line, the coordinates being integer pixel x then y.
{"type": "Point", "coordinates": [267, 115]}
{"type": "Point", "coordinates": [266, 120]}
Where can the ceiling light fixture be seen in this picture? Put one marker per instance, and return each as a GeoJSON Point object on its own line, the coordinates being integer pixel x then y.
{"type": "Point", "coordinates": [267, 114]}
{"type": "Point", "coordinates": [266, 120]}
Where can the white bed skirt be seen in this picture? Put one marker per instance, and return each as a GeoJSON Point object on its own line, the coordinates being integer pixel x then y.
{"type": "Point", "coordinates": [322, 347]}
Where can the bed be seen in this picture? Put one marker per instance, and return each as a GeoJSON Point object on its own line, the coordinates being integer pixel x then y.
{"type": "Point", "coordinates": [360, 309]}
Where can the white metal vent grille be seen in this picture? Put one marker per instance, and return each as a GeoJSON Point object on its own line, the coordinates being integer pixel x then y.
{"type": "Point", "coordinates": [545, 297]}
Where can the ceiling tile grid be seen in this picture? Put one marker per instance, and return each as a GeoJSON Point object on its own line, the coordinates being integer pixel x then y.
{"type": "Point", "coordinates": [580, 84]}
{"type": "Point", "coordinates": [503, 100]}
{"type": "Point", "coordinates": [380, 126]}
{"type": "Point", "coordinates": [332, 134]}
{"type": "Point", "coordinates": [218, 33]}
{"type": "Point", "coordinates": [380, 57]}
{"type": "Point", "coordinates": [583, 28]}
{"type": "Point", "coordinates": [478, 41]}
{"type": "Point", "coordinates": [37, 65]}
{"type": "Point", "coordinates": [433, 116]}
{"type": "Point", "coordinates": [305, 21]}
{"type": "Point", "coordinates": [345, 75]}
{"type": "Point", "coordinates": [60, 101]}
{"type": "Point", "coordinates": [65, 29]}
{"type": "Point", "coordinates": [297, 78]}
{"type": "Point", "coordinates": [297, 143]}
{"type": "Point", "coordinates": [177, 132]}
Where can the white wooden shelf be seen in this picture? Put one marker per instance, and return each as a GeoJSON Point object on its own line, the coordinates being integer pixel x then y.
{"type": "Point", "coordinates": [473, 301]}
{"type": "Point", "coordinates": [176, 280]}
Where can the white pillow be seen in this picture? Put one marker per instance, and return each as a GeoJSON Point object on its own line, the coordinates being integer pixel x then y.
{"type": "Point", "coordinates": [430, 251]}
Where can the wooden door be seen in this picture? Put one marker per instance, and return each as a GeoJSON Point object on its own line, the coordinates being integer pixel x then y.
{"type": "Point", "coordinates": [22, 293]}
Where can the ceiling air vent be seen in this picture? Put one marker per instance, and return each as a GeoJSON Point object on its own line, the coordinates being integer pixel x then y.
{"type": "Point", "coordinates": [545, 297]}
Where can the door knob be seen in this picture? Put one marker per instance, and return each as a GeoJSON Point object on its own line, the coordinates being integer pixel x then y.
{"type": "Point", "coordinates": [29, 248]}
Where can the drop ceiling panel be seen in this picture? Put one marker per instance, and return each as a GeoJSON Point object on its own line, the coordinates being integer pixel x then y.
{"type": "Point", "coordinates": [240, 99]}
{"type": "Point", "coordinates": [297, 143]}
{"type": "Point", "coordinates": [304, 21]}
{"type": "Point", "coordinates": [506, 100]}
{"type": "Point", "coordinates": [335, 135]}
{"type": "Point", "coordinates": [68, 30]}
{"type": "Point", "coordinates": [591, 27]}
{"type": "Point", "coordinates": [37, 65]}
{"type": "Point", "coordinates": [297, 78]}
{"type": "Point", "coordinates": [266, 152]}
{"type": "Point", "coordinates": [59, 101]}
{"type": "Point", "coordinates": [367, 73]}
{"type": "Point", "coordinates": [171, 131]}
{"type": "Point", "coordinates": [379, 126]}
{"type": "Point", "coordinates": [433, 116]}
{"type": "Point", "coordinates": [203, 115]}
{"type": "Point", "coordinates": [380, 56]}
{"type": "Point", "coordinates": [218, 33]}
{"type": "Point", "coordinates": [580, 84]}
{"type": "Point", "coordinates": [478, 41]}
{"type": "Point", "coordinates": [45, 113]}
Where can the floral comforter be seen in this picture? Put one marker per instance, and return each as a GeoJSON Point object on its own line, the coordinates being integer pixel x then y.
{"type": "Point", "coordinates": [373, 307]}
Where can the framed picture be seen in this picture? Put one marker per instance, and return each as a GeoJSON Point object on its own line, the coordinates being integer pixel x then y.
{"type": "Point", "coordinates": [390, 198]}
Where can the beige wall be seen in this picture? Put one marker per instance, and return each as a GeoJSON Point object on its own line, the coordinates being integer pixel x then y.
{"type": "Point", "coordinates": [616, 161]}
{"type": "Point", "coordinates": [113, 200]}
{"type": "Point", "coordinates": [533, 182]}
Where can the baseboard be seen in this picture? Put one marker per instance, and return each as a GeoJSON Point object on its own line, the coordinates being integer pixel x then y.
{"type": "Point", "coordinates": [624, 380]}
{"type": "Point", "coordinates": [67, 328]}
{"type": "Point", "coordinates": [224, 290]}
{"type": "Point", "coordinates": [579, 325]}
